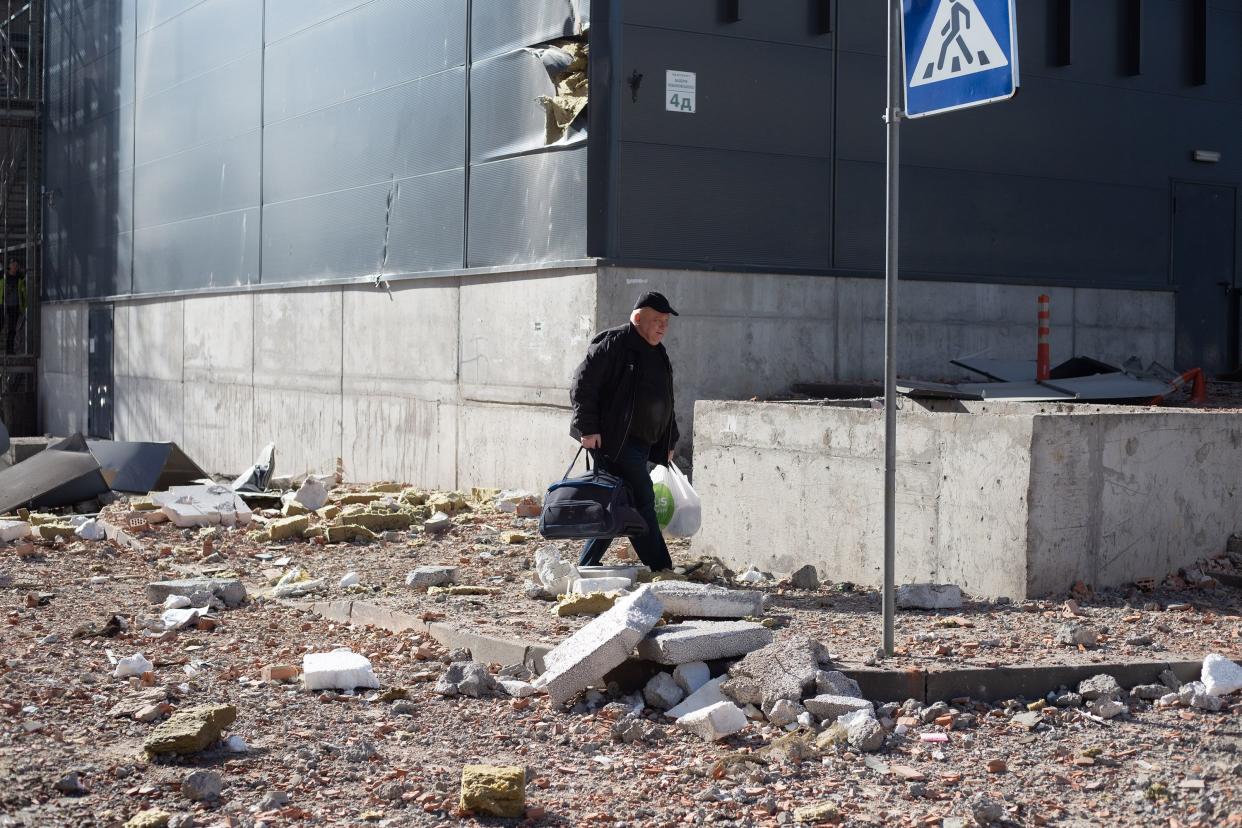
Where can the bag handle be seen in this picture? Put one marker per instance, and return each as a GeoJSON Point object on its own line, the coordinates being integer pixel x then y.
{"type": "Point", "coordinates": [573, 462]}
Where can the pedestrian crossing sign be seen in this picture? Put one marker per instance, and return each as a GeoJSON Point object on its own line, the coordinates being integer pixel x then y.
{"type": "Point", "coordinates": [958, 53]}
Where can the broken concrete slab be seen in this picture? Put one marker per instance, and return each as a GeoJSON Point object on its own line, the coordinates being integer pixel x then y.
{"type": "Point", "coordinates": [423, 577]}
{"type": "Point", "coordinates": [834, 682]}
{"type": "Point", "coordinates": [781, 670]}
{"type": "Point", "coordinates": [229, 590]}
{"type": "Point", "coordinates": [190, 506]}
{"type": "Point", "coordinates": [586, 586]}
{"type": "Point", "coordinates": [705, 696]}
{"type": "Point", "coordinates": [929, 596]}
{"type": "Point", "coordinates": [690, 600]}
{"type": "Point", "coordinates": [601, 645]}
{"type": "Point", "coordinates": [828, 707]}
{"type": "Point", "coordinates": [703, 641]}
{"type": "Point", "coordinates": [716, 722]}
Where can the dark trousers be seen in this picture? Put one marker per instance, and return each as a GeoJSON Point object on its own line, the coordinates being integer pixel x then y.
{"type": "Point", "coordinates": [631, 466]}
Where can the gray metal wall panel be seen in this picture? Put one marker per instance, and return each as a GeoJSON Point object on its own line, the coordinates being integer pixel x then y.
{"type": "Point", "coordinates": [789, 21]}
{"type": "Point", "coordinates": [376, 46]}
{"type": "Point", "coordinates": [284, 17]}
{"type": "Point", "coordinates": [739, 104]}
{"type": "Point", "coordinates": [223, 102]}
{"type": "Point", "coordinates": [505, 117]}
{"type": "Point", "coordinates": [408, 130]}
{"type": "Point", "coordinates": [104, 144]}
{"type": "Point", "coordinates": [214, 178]}
{"type": "Point", "coordinates": [528, 209]}
{"type": "Point", "coordinates": [960, 223]}
{"type": "Point", "coordinates": [500, 26]}
{"type": "Point", "coordinates": [204, 37]}
{"type": "Point", "coordinates": [212, 251]}
{"type": "Point", "coordinates": [341, 234]}
{"type": "Point", "coordinates": [704, 205]}
{"type": "Point", "coordinates": [152, 13]}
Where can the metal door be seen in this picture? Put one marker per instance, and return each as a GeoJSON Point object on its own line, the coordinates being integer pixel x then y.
{"type": "Point", "coordinates": [99, 372]}
{"type": "Point", "coordinates": [1204, 224]}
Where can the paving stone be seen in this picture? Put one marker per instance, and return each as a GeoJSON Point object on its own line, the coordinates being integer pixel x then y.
{"type": "Point", "coordinates": [829, 707]}
{"type": "Point", "coordinates": [703, 641]}
{"type": "Point", "coordinates": [604, 643]}
{"type": "Point", "coordinates": [689, 600]}
{"type": "Point", "coordinates": [929, 596]}
{"type": "Point", "coordinates": [781, 670]}
{"type": "Point", "coordinates": [229, 590]}
{"type": "Point", "coordinates": [715, 722]}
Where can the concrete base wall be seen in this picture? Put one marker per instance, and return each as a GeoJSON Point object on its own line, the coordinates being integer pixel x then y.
{"type": "Point", "coordinates": [1001, 499]}
{"type": "Point", "coordinates": [464, 380]}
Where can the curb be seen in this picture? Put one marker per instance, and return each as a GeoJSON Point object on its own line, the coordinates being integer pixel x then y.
{"type": "Point", "coordinates": [925, 686]}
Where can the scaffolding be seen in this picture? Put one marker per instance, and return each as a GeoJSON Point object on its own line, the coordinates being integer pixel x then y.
{"type": "Point", "coordinates": [21, 125]}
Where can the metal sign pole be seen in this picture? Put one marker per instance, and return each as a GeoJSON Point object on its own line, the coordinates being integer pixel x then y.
{"type": "Point", "coordinates": [892, 116]}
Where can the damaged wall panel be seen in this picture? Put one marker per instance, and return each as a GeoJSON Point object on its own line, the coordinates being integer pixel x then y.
{"type": "Point", "coordinates": [500, 26]}
{"type": "Point", "coordinates": [529, 208]}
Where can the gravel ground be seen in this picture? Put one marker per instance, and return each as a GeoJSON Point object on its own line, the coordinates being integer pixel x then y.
{"type": "Point", "coordinates": [356, 759]}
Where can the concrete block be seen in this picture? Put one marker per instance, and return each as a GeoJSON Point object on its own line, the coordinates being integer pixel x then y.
{"type": "Point", "coordinates": [229, 590]}
{"type": "Point", "coordinates": [828, 707]}
{"type": "Point", "coordinates": [929, 596]}
{"type": "Point", "coordinates": [781, 670]}
{"type": "Point", "coordinates": [662, 692]}
{"type": "Point", "coordinates": [692, 675]}
{"type": "Point", "coordinates": [601, 645]}
{"type": "Point", "coordinates": [716, 722]}
{"type": "Point", "coordinates": [428, 576]}
{"type": "Point", "coordinates": [585, 586]}
{"type": "Point", "coordinates": [705, 696]}
{"type": "Point", "coordinates": [703, 641]}
{"type": "Point", "coordinates": [689, 600]}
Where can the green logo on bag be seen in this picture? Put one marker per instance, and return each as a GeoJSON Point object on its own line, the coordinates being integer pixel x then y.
{"type": "Point", "coordinates": [663, 504]}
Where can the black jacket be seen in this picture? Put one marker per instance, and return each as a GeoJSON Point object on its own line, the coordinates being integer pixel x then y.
{"type": "Point", "coordinates": [603, 393]}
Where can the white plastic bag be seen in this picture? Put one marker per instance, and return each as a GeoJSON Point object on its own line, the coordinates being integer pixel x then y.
{"type": "Point", "coordinates": [677, 504]}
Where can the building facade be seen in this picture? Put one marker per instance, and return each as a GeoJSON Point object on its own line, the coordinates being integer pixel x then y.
{"type": "Point", "coordinates": [354, 229]}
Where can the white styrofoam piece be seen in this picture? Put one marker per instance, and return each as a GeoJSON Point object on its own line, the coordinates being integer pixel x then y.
{"type": "Point", "coordinates": [338, 670]}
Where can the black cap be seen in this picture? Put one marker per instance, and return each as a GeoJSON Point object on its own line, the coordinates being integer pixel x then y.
{"type": "Point", "coordinates": [655, 301]}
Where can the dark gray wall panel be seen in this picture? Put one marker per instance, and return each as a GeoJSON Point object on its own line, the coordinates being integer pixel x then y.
{"type": "Point", "coordinates": [500, 26]}
{"type": "Point", "coordinates": [103, 145]}
{"type": "Point", "coordinates": [702, 205]}
{"type": "Point", "coordinates": [83, 269]}
{"type": "Point", "coordinates": [788, 21]}
{"type": "Point", "coordinates": [378, 45]}
{"type": "Point", "coordinates": [223, 102]}
{"type": "Point", "coordinates": [409, 130]}
{"type": "Point", "coordinates": [505, 117]}
{"type": "Point", "coordinates": [204, 37]}
{"type": "Point", "coordinates": [428, 224]}
{"type": "Point", "coordinates": [214, 178]}
{"type": "Point", "coordinates": [341, 234]}
{"type": "Point", "coordinates": [957, 223]}
{"type": "Point", "coordinates": [213, 251]}
{"type": "Point", "coordinates": [741, 103]}
{"type": "Point", "coordinates": [284, 17]}
{"type": "Point", "coordinates": [530, 208]}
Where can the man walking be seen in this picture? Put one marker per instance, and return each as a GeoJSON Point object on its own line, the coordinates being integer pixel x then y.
{"type": "Point", "coordinates": [623, 413]}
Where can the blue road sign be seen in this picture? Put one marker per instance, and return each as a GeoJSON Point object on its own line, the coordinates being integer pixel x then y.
{"type": "Point", "coordinates": [958, 53]}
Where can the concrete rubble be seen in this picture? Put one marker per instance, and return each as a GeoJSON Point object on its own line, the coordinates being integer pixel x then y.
{"type": "Point", "coordinates": [929, 596]}
{"type": "Point", "coordinates": [781, 670]}
{"type": "Point", "coordinates": [703, 641]}
{"type": "Point", "coordinates": [604, 643]}
{"type": "Point", "coordinates": [192, 506]}
{"type": "Point", "coordinates": [682, 599]}
{"type": "Point", "coordinates": [230, 591]}
{"type": "Point", "coordinates": [424, 577]}
{"type": "Point", "coordinates": [714, 722]}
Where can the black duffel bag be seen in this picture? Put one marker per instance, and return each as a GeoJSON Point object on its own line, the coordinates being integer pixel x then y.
{"type": "Point", "coordinates": [595, 505]}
